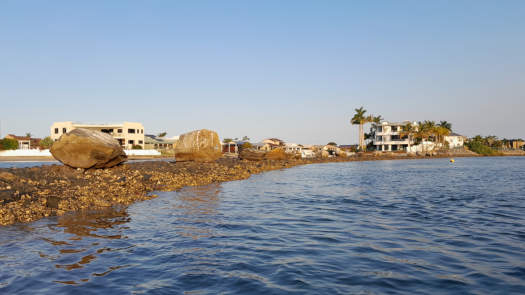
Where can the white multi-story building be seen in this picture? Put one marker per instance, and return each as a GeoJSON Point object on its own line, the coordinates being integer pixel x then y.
{"type": "Point", "coordinates": [127, 134]}
{"type": "Point", "coordinates": [387, 137]}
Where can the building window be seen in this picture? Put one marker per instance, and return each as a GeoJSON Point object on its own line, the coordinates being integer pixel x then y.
{"type": "Point", "coordinates": [394, 128]}
{"type": "Point", "coordinates": [141, 131]}
{"type": "Point", "coordinates": [56, 130]}
{"type": "Point", "coordinates": [106, 130]}
{"type": "Point", "coordinates": [141, 142]}
{"type": "Point", "coordinates": [131, 142]}
{"type": "Point", "coordinates": [119, 130]}
{"type": "Point", "coordinates": [64, 130]}
{"type": "Point", "coordinates": [380, 129]}
{"type": "Point", "coordinates": [131, 130]}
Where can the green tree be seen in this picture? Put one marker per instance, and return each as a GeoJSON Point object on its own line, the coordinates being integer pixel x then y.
{"type": "Point", "coordinates": [162, 134]}
{"type": "Point", "coordinates": [408, 131]}
{"type": "Point", "coordinates": [227, 140]}
{"type": "Point", "coordinates": [136, 147]}
{"type": "Point", "coordinates": [360, 119]}
{"type": "Point", "coordinates": [9, 144]}
{"type": "Point", "coordinates": [445, 125]}
{"type": "Point", "coordinates": [245, 138]}
{"type": "Point", "coordinates": [479, 145]}
{"type": "Point", "coordinates": [332, 143]}
{"type": "Point", "coordinates": [376, 121]}
{"type": "Point", "coordinates": [246, 145]}
{"type": "Point", "coordinates": [46, 143]}
{"type": "Point", "coordinates": [28, 134]}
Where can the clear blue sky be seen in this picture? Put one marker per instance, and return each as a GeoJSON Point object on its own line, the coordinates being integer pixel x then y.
{"type": "Point", "coordinates": [289, 69]}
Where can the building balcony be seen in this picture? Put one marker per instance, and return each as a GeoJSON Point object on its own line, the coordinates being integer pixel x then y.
{"type": "Point", "coordinates": [388, 133]}
{"type": "Point", "coordinates": [391, 141]}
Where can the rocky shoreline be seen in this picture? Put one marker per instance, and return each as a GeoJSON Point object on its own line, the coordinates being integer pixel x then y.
{"type": "Point", "coordinates": [29, 194]}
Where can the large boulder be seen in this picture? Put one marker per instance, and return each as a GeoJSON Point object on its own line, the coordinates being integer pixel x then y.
{"type": "Point", "coordinates": [199, 145]}
{"type": "Point", "coordinates": [84, 148]}
{"type": "Point", "coordinates": [277, 154]}
{"type": "Point", "coordinates": [252, 155]}
{"type": "Point", "coordinates": [255, 155]}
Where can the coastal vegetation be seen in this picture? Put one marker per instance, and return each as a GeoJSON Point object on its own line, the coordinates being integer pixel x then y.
{"type": "Point", "coordinates": [46, 143]}
{"type": "Point", "coordinates": [485, 146]}
{"type": "Point", "coordinates": [8, 144]}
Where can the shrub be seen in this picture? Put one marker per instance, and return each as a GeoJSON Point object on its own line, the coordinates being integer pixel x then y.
{"type": "Point", "coordinates": [481, 149]}
{"type": "Point", "coordinates": [136, 147]}
{"type": "Point", "coordinates": [9, 144]}
{"type": "Point", "coordinates": [246, 145]}
{"type": "Point", "coordinates": [46, 143]}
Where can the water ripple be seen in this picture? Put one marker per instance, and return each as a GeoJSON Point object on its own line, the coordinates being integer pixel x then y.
{"type": "Point", "coordinates": [388, 227]}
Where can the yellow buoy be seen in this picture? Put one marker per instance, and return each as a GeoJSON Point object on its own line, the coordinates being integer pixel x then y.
{"type": "Point", "coordinates": [452, 160]}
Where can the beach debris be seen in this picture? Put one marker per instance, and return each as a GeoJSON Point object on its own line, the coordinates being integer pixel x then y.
{"type": "Point", "coordinates": [84, 148]}
{"type": "Point", "coordinates": [199, 145]}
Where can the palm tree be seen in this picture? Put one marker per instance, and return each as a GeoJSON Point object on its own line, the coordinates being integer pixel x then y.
{"type": "Point", "coordinates": [424, 131]}
{"type": "Point", "coordinates": [360, 119]}
{"type": "Point", "coordinates": [28, 134]}
{"type": "Point", "coordinates": [408, 130]}
{"type": "Point", "coordinates": [445, 125]}
{"type": "Point", "coordinates": [441, 132]}
{"type": "Point", "coordinates": [376, 121]}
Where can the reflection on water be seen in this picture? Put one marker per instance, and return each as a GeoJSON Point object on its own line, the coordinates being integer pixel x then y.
{"type": "Point", "coordinates": [397, 227]}
{"type": "Point", "coordinates": [197, 207]}
{"type": "Point", "coordinates": [84, 234]}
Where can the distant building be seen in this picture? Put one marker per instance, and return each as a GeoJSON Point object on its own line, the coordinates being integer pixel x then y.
{"type": "Point", "coordinates": [515, 144]}
{"type": "Point", "coordinates": [455, 140]}
{"type": "Point", "coordinates": [127, 134]}
{"type": "Point", "coordinates": [25, 142]}
{"type": "Point", "coordinates": [387, 137]}
{"type": "Point", "coordinates": [292, 148]}
{"type": "Point", "coordinates": [153, 142]}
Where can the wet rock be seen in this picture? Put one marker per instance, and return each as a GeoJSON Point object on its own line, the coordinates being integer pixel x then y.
{"type": "Point", "coordinates": [83, 148]}
{"type": "Point", "coordinates": [277, 154]}
{"type": "Point", "coordinates": [252, 155]}
{"type": "Point", "coordinates": [52, 202]}
{"type": "Point", "coordinates": [199, 145]}
{"type": "Point", "coordinates": [6, 176]}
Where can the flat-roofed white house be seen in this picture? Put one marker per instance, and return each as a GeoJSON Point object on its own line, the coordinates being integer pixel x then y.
{"type": "Point", "coordinates": [455, 140]}
{"type": "Point", "coordinates": [387, 137]}
{"type": "Point", "coordinates": [292, 148]}
{"type": "Point", "coordinates": [127, 134]}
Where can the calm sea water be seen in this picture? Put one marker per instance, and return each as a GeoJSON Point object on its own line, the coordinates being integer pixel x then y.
{"type": "Point", "coordinates": [394, 227]}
